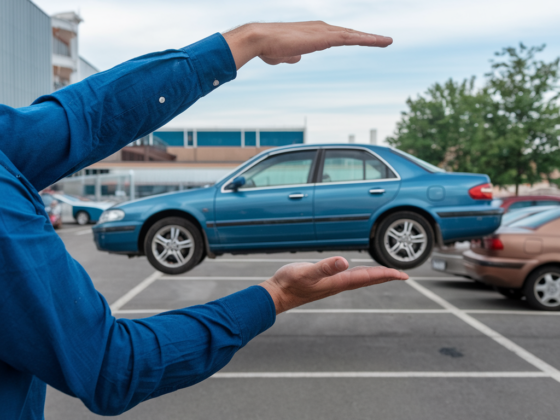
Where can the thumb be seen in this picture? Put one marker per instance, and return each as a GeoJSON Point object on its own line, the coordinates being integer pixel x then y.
{"type": "Point", "coordinates": [326, 268]}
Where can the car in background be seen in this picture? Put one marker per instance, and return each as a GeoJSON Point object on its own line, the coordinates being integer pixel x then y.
{"type": "Point", "coordinates": [53, 210]}
{"type": "Point", "coordinates": [522, 259]}
{"type": "Point", "coordinates": [522, 201]}
{"type": "Point", "coordinates": [83, 211]}
{"type": "Point", "coordinates": [305, 198]}
{"type": "Point", "coordinates": [449, 258]}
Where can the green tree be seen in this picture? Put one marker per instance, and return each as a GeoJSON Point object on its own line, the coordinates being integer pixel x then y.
{"type": "Point", "coordinates": [508, 129]}
{"type": "Point", "coordinates": [526, 115]}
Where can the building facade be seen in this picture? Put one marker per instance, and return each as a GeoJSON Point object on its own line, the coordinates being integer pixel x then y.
{"type": "Point", "coordinates": [25, 53]}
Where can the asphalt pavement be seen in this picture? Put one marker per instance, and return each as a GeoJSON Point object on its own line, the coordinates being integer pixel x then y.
{"type": "Point", "coordinates": [434, 347]}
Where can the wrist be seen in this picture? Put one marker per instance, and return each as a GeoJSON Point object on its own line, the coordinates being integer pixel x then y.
{"type": "Point", "coordinates": [277, 296]}
{"type": "Point", "coordinates": [244, 43]}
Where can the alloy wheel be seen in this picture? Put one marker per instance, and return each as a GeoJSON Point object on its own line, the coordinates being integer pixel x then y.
{"type": "Point", "coordinates": [173, 246]}
{"type": "Point", "coordinates": [547, 290]}
{"type": "Point", "coordinates": [405, 240]}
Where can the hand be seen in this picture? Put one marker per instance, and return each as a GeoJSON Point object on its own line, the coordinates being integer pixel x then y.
{"type": "Point", "coordinates": [277, 43]}
{"type": "Point", "coordinates": [299, 283]}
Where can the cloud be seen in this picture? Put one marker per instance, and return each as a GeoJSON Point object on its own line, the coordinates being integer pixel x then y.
{"type": "Point", "coordinates": [341, 91]}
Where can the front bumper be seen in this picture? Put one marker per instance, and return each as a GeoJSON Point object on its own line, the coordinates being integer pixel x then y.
{"type": "Point", "coordinates": [503, 272]}
{"type": "Point", "coordinates": [118, 237]}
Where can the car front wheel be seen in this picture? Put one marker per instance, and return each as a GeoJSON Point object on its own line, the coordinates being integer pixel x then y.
{"type": "Point", "coordinates": [542, 289]}
{"type": "Point", "coordinates": [173, 245]}
{"type": "Point", "coordinates": [82, 218]}
{"type": "Point", "coordinates": [403, 240]}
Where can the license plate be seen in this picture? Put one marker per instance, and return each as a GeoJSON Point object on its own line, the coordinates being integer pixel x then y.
{"type": "Point", "coordinates": [439, 265]}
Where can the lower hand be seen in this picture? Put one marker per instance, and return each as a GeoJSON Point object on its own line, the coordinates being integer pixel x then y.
{"type": "Point", "coordinates": [299, 283]}
{"type": "Point", "coordinates": [277, 43]}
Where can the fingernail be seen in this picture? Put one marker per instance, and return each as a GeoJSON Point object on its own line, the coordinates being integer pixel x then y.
{"type": "Point", "coordinates": [339, 265]}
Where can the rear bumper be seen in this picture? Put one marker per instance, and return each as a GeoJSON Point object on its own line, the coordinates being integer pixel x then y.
{"type": "Point", "coordinates": [503, 272]}
{"type": "Point", "coordinates": [462, 223]}
{"type": "Point", "coordinates": [451, 263]}
{"type": "Point", "coordinates": [118, 237]}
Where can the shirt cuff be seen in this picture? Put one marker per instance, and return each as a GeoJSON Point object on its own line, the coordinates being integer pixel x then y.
{"type": "Point", "coordinates": [254, 310]}
{"type": "Point", "coordinates": [213, 62]}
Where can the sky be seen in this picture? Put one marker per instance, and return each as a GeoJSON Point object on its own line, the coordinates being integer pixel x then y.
{"type": "Point", "coordinates": [338, 92]}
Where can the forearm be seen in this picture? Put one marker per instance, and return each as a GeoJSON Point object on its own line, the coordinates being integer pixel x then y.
{"type": "Point", "coordinates": [86, 122]}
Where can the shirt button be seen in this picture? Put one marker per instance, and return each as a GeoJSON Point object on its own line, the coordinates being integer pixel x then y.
{"type": "Point", "coordinates": [161, 100]}
{"type": "Point", "coordinates": [216, 83]}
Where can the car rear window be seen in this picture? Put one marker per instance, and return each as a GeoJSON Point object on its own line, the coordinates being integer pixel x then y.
{"type": "Point", "coordinates": [424, 165]}
{"type": "Point", "coordinates": [537, 220]}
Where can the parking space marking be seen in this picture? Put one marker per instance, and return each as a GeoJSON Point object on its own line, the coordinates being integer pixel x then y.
{"type": "Point", "coordinates": [505, 312]}
{"type": "Point", "coordinates": [84, 232]}
{"type": "Point", "coordinates": [291, 375]}
{"type": "Point", "coordinates": [214, 278]}
{"type": "Point", "coordinates": [246, 278]}
{"type": "Point", "coordinates": [314, 311]}
{"type": "Point", "coordinates": [119, 303]}
{"type": "Point", "coordinates": [66, 230]}
{"type": "Point", "coordinates": [289, 260]}
{"type": "Point", "coordinates": [489, 332]}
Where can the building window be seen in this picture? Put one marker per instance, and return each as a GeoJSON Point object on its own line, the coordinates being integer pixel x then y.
{"type": "Point", "coordinates": [250, 138]}
{"type": "Point", "coordinates": [171, 138]}
{"type": "Point", "coordinates": [60, 47]}
{"type": "Point", "coordinates": [190, 139]}
{"type": "Point", "coordinates": [280, 138]}
{"type": "Point", "coordinates": [218, 138]}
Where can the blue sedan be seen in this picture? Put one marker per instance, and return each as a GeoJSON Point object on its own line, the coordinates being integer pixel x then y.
{"type": "Point", "coordinates": [305, 198]}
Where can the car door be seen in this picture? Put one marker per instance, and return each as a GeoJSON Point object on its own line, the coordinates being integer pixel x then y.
{"type": "Point", "coordinates": [352, 184]}
{"type": "Point", "coordinates": [274, 206]}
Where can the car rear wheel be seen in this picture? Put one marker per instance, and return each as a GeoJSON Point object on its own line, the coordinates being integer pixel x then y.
{"type": "Point", "coordinates": [403, 240]}
{"type": "Point", "coordinates": [82, 218]}
{"type": "Point", "coordinates": [173, 245]}
{"type": "Point", "coordinates": [542, 289]}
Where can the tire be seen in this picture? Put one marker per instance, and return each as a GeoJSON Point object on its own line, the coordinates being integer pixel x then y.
{"type": "Point", "coordinates": [542, 289]}
{"type": "Point", "coordinates": [82, 217]}
{"type": "Point", "coordinates": [396, 248]}
{"type": "Point", "coordinates": [166, 245]}
{"type": "Point", "coordinates": [513, 294]}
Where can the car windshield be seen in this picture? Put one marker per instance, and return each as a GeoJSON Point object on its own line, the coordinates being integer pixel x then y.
{"type": "Point", "coordinates": [537, 220]}
{"type": "Point", "coordinates": [516, 215]}
{"type": "Point", "coordinates": [425, 165]}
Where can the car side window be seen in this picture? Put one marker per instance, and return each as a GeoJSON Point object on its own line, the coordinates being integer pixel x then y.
{"type": "Point", "coordinates": [284, 169]}
{"type": "Point", "coordinates": [353, 165]}
{"type": "Point", "coordinates": [547, 203]}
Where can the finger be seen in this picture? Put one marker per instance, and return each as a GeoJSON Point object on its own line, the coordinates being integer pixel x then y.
{"type": "Point", "coordinates": [274, 61]}
{"type": "Point", "coordinates": [325, 268]}
{"type": "Point", "coordinates": [366, 276]}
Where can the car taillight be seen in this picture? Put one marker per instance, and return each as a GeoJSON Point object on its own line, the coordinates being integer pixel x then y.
{"type": "Point", "coordinates": [493, 243]}
{"type": "Point", "coordinates": [481, 192]}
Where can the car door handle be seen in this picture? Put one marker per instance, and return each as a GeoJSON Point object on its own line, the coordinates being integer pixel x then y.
{"type": "Point", "coordinates": [294, 196]}
{"type": "Point", "coordinates": [376, 191]}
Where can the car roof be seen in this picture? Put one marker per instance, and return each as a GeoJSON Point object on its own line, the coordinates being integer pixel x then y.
{"type": "Point", "coordinates": [318, 145]}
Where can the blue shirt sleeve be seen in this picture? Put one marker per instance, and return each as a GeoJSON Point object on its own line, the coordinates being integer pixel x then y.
{"type": "Point", "coordinates": [83, 123]}
{"type": "Point", "coordinates": [55, 325]}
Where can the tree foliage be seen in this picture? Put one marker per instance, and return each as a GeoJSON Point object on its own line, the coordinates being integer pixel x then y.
{"type": "Point", "coordinates": [509, 128]}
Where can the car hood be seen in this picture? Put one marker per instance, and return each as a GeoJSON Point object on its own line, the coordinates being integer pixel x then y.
{"type": "Point", "coordinates": [172, 196]}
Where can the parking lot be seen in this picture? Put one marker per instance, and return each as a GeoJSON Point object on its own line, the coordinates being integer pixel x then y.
{"type": "Point", "coordinates": [433, 347]}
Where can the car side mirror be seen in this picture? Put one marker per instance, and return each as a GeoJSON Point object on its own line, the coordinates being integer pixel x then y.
{"type": "Point", "coordinates": [236, 183]}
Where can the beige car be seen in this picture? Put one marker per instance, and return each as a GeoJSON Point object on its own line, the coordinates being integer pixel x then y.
{"type": "Point", "coordinates": [522, 259]}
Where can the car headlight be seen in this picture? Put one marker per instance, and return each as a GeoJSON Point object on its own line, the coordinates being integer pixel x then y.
{"type": "Point", "coordinates": [111, 216]}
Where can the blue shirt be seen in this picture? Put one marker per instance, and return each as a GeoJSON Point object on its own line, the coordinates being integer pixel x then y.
{"type": "Point", "coordinates": [55, 328]}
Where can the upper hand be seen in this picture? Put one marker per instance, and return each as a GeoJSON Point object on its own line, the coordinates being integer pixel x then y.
{"type": "Point", "coordinates": [277, 43]}
{"type": "Point", "coordinates": [299, 283]}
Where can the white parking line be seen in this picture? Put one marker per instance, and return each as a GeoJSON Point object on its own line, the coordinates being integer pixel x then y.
{"type": "Point", "coordinates": [314, 311]}
{"type": "Point", "coordinates": [291, 375]}
{"type": "Point", "coordinates": [505, 312]}
{"type": "Point", "coordinates": [119, 303]}
{"type": "Point", "coordinates": [84, 232]}
{"type": "Point", "coordinates": [214, 278]}
{"type": "Point", "coordinates": [494, 335]}
{"type": "Point", "coordinates": [245, 278]}
{"type": "Point", "coordinates": [230, 260]}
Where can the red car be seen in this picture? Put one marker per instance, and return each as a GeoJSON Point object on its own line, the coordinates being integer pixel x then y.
{"type": "Point", "coordinates": [513, 203]}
